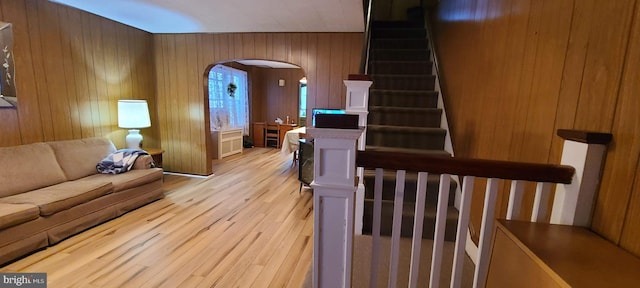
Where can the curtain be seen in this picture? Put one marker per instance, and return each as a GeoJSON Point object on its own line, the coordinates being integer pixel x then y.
{"type": "Point", "coordinates": [228, 107]}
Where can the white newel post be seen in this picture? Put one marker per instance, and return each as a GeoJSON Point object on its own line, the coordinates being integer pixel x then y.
{"type": "Point", "coordinates": [358, 103]}
{"type": "Point", "coordinates": [585, 151]}
{"type": "Point", "coordinates": [334, 186]}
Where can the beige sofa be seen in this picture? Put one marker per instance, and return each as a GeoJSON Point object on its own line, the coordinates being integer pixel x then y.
{"type": "Point", "coordinates": [50, 191]}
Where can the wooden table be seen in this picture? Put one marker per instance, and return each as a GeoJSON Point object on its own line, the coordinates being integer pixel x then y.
{"type": "Point", "coordinates": [156, 154]}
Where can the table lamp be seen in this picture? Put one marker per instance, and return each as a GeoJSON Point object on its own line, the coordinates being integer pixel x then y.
{"type": "Point", "coordinates": [132, 115]}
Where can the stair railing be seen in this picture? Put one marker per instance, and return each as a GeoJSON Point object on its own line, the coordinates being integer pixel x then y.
{"type": "Point", "coordinates": [335, 184]}
{"type": "Point", "coordinates": [368, 18]}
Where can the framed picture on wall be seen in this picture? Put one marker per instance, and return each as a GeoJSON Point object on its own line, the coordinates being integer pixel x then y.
{"type": "Point", "coordinates": [8, 96]}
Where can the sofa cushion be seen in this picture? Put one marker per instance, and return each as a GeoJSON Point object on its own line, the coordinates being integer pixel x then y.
{"type": "Point", "coordinates": [130, 179]}
{"type": "Point", "coordinates": [14, 214]}
{"type": "Point", "coordinates": [62, 196]}
{"type": "Point", "coordinates": [78, 158]}
{"type": "Point", "coordinates": [28, 167]}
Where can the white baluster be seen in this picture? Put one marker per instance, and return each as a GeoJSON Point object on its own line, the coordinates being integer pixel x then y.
{"type": "Point", "coordinates": [484, 249]}
{"type": "Point", "coordinates": [441, 222]}
{"type": "Point", "coordinates": [398, 202]}
{"type": "Point", "coordinates": [463, 228]}
{"type": "Point", "coordinates": [421, 195]}
{"type": "Point", "coordinates": [377, 214]}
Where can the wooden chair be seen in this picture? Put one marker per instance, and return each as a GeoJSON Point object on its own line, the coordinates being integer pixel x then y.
{"type": "Point", "coordinates": [272, 136]}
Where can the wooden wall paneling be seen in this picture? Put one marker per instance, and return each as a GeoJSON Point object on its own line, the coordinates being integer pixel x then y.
{"type": "Point", "coordinates": [336, 60]}
{"type": "Point", "coordinates": [260, 42]}
{"type": "Point", "coordinates": [34, 19]}
{"type": "Point", "coordinates": [66, 28]}
{"type": "Point", "coordinates": [99, 70]}
{"type": "Point", "coordinates": [239, 49]}
{"type": "Point", "coordinates": [510, 57]}
{"type": "Point", "coordinates": [159, 56]}
{"type": "Point", "coordinates": [172, 139]}
{"type": "Point", "coordinates": [54, 71]}
{"type": "Point", "coordinates": [495, 33]}
{"type": "Point", "coordinates": [88, 60]}
{"type": "Point", "coordinates": [294, 52]}
{"type": "Point", "coordinates": [111, 80]}
{"type": "Point", "coordinates": [80, 73]}
{"type": "Point", "coordinates": [311, 69]}
{"type": "Point", "coordinates": [603, 67]}
{"type": "Point", "coordinates": [181, 88]}
{"type": "Point", "coordinates": [526, 82]}
{"type": "Point", "coordinates": [194, 140]}
{"type": "Point", "coordinates": [323, 71]}
{"type": "Point", "coordinates": [619, 196]}
{"type": "Point", "coordinates": [573, 72]}
{"type": "Point", "coordinates": [249, 46]}
{"type": "Point", "coordinates": [10, 128]}
{"type": "Point", "coordinates": [552, 44]}
{"type": "Point", "coordinates": [481, 71]}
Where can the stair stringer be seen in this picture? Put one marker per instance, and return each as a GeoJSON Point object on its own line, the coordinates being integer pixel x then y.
{"type": "Point", "coordinates": [471, 248]}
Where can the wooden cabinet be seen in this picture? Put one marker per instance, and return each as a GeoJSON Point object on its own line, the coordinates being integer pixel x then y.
{"type": "Point", "coordinates": [258, 134]}
{"type": "Point", "coordinates": [156, 154]}
{"type": "Point", "coordinates": [526, 254]}
{"type": "Point", "coordinates": [226, 142]}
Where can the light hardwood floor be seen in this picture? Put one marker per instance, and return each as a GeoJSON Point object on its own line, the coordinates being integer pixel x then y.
{"type": "Point", "coordinates": [245, 226]}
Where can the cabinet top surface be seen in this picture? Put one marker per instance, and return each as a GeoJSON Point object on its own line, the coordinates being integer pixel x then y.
{"type": "Point", "coordinates": [577, 255]}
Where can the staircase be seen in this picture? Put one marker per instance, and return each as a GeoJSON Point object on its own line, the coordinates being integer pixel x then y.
{"type": "Point", "coordinates": [403, 117]}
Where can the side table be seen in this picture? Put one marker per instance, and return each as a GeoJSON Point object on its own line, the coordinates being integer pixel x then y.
{"type": "Point", "coordinates": [156, 154]}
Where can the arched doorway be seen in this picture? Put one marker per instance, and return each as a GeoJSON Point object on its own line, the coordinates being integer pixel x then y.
{"type": "Point", "coordinates": [273, 93]}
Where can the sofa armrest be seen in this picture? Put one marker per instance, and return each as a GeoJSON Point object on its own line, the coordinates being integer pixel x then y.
{"type": "Point", "coordinates": [143, 162]}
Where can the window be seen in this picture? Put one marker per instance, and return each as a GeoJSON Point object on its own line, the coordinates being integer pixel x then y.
{"type": "Point", "coordinates": [228, 98]}
{"type": "Point", "coordinates": [303, 104]}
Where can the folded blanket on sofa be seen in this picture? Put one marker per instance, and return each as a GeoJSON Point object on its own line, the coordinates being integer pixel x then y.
{"type": "Point", "coordinates": [120, 161]}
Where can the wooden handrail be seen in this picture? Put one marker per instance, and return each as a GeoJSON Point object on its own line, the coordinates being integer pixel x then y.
{"type": "Point", "coordinates": [466, 166]}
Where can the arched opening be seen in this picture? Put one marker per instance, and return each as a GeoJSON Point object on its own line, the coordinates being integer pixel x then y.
{"type": "Point", "coordinates": [272, 90]}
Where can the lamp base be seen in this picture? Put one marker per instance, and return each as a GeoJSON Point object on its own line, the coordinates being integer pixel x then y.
{"type": "Point", "coordinates": [133, 139]}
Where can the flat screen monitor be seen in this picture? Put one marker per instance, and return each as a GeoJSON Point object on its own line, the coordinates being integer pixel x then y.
{"type": "Point", "coordinates": [316, 111]}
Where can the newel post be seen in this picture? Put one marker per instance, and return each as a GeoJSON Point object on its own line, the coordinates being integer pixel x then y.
{"type": "Point", "coordinates": [357, 102]}
{"type": "Point", "coordinates": [334, 186]}
{"type": "Point", "coordinates": [585, 151]}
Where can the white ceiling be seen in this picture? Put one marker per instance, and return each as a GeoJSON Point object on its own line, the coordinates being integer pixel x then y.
{"type": "Point", "coordinates": [217, 16]}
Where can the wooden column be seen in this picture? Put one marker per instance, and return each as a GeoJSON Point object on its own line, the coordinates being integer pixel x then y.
{"type": "Point", "coordinates": [334, 186]}
{"type": "Point", "coordinates": [585, 151]}
{"type": "Point", "coordinates": [357, 102]}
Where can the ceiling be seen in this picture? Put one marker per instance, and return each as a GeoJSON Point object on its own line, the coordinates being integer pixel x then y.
{"type": "Point", "coordinates": [217, 16]}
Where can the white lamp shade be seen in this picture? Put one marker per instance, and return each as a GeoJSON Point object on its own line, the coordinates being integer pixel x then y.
{"type": "Point", "coordinates": [133, 114]}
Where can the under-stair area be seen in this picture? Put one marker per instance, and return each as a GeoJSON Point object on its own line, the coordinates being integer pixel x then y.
{"type": "Point", "coordinates": [404, 117]}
